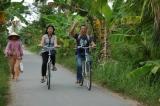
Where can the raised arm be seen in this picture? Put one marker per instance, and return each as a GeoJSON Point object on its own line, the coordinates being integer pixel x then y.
{"type": "Point", "coordinates": [72, 31]}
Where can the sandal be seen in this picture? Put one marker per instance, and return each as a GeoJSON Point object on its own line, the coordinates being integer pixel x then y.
{"type": "Point", "coordinates": [54, 68]}
{"type": "Point", "coordinates": [42, 80]}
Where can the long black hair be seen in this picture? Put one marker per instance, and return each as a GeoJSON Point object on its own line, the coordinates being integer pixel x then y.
{"type": "Point", "coordinates": [53, 33]}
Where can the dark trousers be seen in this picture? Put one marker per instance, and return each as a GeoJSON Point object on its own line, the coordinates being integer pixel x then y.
{"type": "Point", "coordinates": [45, 60]}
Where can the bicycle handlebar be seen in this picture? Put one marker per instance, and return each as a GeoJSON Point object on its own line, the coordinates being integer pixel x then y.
{"type": "Point", "coordinates": [84, 47]}
{"type": "Point", "coordinates": [48, 47]}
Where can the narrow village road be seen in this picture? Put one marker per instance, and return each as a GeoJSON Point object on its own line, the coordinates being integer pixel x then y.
{"type": "Point", "coordinates": [28, 91]}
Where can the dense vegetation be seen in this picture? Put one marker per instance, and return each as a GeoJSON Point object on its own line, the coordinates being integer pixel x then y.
{"type": "Point", "coordinates": [7, 11]}
{"type": "Point", "coordinates": [4, 74]}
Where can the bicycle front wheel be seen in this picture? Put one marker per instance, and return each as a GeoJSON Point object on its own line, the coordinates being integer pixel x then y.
{"type": "Point", "coordinates": [89, 76]}
{"type": "Point", "coordinates": [49, 75]}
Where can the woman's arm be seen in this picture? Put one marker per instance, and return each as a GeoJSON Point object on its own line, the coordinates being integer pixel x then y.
{"type": "Point", "coordinates": [7, 49]}
{"type": "Point", "coordinates": [21, 49]}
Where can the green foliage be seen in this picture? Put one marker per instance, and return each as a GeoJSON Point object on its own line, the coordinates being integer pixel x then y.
{"type": "Point", "coordinates": [4, 78]}
{"type": "Point", "coordinates": [150, 70]}
{"type": "Point", "coordinates": [31, 35]}
{"type": "Point", "coordinates": [66, 58]}
{"type": "Point", "coordinates": [46, 10]}
{"type": "Point", "coordinates": [16, 9]}
{"type": "Point", "coordinates": [4, 4]}
{"type": "Point", "coordinates": [59, 21]}
{"type": "Point", "coordinates": [3, 39]}
{"type": "Point", "coordinates": [141, 72]}
{"type": "Point", "coordinates": [113, 74]}
{"type": "Point", "coordinates": [4, 70]}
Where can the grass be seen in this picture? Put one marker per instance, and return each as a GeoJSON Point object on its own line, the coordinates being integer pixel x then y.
{"type": "Point", "coordinates": [68, 61]}
{"type": "Point", "coordinates": [4, 80]}
{"type": "Point", "coordinates": [113, 75]}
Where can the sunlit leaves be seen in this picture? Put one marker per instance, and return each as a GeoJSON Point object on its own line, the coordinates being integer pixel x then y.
{"type": "Point", "coordinates": [17, 9]}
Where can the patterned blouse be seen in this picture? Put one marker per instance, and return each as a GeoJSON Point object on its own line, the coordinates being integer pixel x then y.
{"type": "Point", "coordinates": [14, 48]}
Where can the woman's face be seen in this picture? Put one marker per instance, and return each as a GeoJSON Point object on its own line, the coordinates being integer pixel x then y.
{"type": "Point", "coordinates": [50, 30]}
{"type": "Point", "coordinates": [14, 38]}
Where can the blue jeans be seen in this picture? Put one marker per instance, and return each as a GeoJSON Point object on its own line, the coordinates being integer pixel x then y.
{"type": "Point", "coordinates": [79, 60]}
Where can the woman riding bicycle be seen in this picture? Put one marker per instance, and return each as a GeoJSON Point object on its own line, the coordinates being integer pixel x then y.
{"type": "Point", "coordinates": [49, 39]}
{"type": "Point", "coordinates": [84, 40]}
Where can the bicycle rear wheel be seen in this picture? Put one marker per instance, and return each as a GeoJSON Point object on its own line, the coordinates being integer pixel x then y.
{"type": "Point", "coordinates": [89, 76]}
{"type": "Point", "coordinates": [49, 75]}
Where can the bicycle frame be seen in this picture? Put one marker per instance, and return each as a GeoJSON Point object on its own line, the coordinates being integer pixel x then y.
{"type": "Point", "coordinates": [49, 66]}
{"type": "Point", "coordinates": [86, 68]}
{"type": "Point", "coordinates": [86, 61]}
{"type": "Point", "coordinates": [49, 57]}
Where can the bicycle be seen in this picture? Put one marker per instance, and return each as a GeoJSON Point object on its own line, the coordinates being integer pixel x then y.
{"type": "Point", "coordinates": [86, 69]}
{"type": "Point", "coordinates": [49, 63]}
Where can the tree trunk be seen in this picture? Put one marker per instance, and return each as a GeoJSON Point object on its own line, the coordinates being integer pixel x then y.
{"type": "Point", "coordinates": [104, 39]}
{"type": "Point", "coordinates": [2, 17]}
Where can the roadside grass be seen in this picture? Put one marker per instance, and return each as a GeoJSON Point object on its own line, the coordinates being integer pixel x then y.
{"type": "Point", "coordinates": [113, 75]}
{"type": "Point", "coordinates": [4, 80]}
{"type": "Point", "coordinates": [68, 61]}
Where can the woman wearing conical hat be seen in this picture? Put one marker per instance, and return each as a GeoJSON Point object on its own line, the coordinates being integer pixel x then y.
{"type": "Point", "coordinates": [14, 53]}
